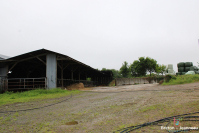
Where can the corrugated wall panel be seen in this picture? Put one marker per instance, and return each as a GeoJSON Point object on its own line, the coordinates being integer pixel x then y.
{"type": "Point", "coordinates": [51, 70]}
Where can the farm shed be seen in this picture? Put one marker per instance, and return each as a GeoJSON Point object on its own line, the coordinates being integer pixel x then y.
{"type": "Point", "coordinates": [47, 69]}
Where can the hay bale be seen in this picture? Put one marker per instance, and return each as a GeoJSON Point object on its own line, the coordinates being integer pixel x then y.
{"type": "Point", "coordinates": [178, 73]}
{"type": "Point", "coordinates": [183, 73]}
{"type": "Point", "coordinates": [181, 69]}
{"type": "Point", "coordinates": [181, 64]}
{"type": "Point", "coordinates": [187, 69]}
{"type": "Point", "coordinates": [194, 68]}
{"type": "Point", "coordinates": [76, 86]}
{"type": "Point", "coordinates": [170, 71]}
{"type": "Point", "coordinates": [188, 64]}
{"type": "Point", "coordinates": [170, 66]}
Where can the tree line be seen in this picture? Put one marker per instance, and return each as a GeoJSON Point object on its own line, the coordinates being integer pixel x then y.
{"type": "Point", "coordinates": [138, 68]}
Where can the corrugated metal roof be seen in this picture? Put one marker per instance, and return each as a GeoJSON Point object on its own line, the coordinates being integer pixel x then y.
{"type": "Point", "coordinates": [42, 52]}
{"type": "Point", "coordinates": [3, 57]}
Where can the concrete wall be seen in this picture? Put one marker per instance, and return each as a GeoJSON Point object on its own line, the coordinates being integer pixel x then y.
{"type": "Point", "coordinates": [132, 81]}
{"type": "Point", "coordinates": [51, 71]}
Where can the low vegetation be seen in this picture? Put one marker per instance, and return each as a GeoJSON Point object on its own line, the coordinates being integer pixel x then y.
{"type": "Point", "coordinates": [102, 112]}
{"type": "Point", "coordinates": [112, 83]}
{"type": "Point", "coordinates": [182, 79]}
{"type": "Point", "coordinates": [33, 95]}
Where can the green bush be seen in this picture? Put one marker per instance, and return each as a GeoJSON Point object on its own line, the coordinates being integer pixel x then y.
{"type": "Point", "coordinates": [181, 79]}
{"type": "Point", "coordinates": [169, 77]}
{"type": "Point", "coordinates": [112, 83]}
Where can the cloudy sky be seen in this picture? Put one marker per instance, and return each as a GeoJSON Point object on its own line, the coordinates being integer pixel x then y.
{"type": "Point", "coordinates": [103, 33]}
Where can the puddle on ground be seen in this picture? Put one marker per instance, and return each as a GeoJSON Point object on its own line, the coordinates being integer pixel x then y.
{"type": "Point", "coordinates": [71, 123]}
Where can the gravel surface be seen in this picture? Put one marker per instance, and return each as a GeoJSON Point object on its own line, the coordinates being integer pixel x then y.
{"type": "Point", "coordinates": [103, 109]}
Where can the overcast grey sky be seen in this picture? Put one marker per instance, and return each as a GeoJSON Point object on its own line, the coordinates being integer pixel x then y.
{"type": "Point", "coordinates": [103, 33]}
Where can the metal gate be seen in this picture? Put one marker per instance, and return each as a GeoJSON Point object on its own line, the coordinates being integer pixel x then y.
{"type": "Point", "coordinates": [15, 84]}
{"type": "Point", "coordinates": [3, 84]}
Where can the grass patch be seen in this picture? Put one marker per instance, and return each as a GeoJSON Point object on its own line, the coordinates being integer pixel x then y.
{"type": "Point", "coordinates": [165, 110]}
{"type": "Point", "coordinates": [182, 79]}
{"type": "Point", "coordinates": [34, 95]}
{"type": "Point", "coordinates": [153, 107]}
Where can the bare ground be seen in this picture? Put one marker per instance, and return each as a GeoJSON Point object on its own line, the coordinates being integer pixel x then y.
{"type": "Point", "coordinates": [104, 109]}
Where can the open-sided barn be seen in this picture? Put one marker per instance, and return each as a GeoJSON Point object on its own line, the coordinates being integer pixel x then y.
{"type": "Point", "coordinates": [47, 69]}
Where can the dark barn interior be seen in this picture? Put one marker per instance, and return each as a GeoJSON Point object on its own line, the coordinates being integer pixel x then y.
{"type": "Point", "coordinates": [31, 70]}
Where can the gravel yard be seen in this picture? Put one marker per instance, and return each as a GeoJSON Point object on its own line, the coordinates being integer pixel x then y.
{"type": "Point", "coordinates": [103, 109]}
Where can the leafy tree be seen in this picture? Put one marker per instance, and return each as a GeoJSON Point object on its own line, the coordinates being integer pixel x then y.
{"type": "Point", "coordinates": [116, 73]}
{"type": "Point", "coordinates": [160, 68]}
{"type": "Point", "coordinates": [142, 66]}
{"type": "Point", "coordinates": [138, 68]}
{"type": "Point", "coordinates": [134, 68]}
{"type": "Point", "coordinates": [124, 70]}
{"type": "Point", "coordinates": [104, 69]}
{"type": "Point", "coordinates": [150, 65]}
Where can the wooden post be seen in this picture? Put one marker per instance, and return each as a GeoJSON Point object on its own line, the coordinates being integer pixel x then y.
{"type": "Point", "coordinates": [33, 84]}
{"type": "Point", "coordinates": [79, 76]}
{"type": "Point", "coordinates": [24, 83]}
{"type": "Point", "coordinates": [62, 74]}
{"type": "Point", "coordinates": [45, 80]}
{"type": "Point", "coordinates": [62, 77]}
{"type": "Point", "coordinates": [72, 75]}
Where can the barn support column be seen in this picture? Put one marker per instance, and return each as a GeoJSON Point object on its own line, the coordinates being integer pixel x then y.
{"type": "Point", "coordinates": [62, 68]}
{"type": "Point", "coordinates": [51, 71]}
{"type": "Point", "coordinates": [62, 77]}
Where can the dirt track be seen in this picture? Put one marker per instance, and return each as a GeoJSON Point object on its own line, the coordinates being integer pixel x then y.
{"type": "Point", "coordinates": [104, 109]}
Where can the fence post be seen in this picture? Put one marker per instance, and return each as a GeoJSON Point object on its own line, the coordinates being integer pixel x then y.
{"type": "Point", "coordinates": [33, 83]}
{"type": "Point", "coordinates": [6, 84]}
{"type": "Point", "coordinates": [24, 83]}
{"type": "Point", "coordinates": [45, 80]}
